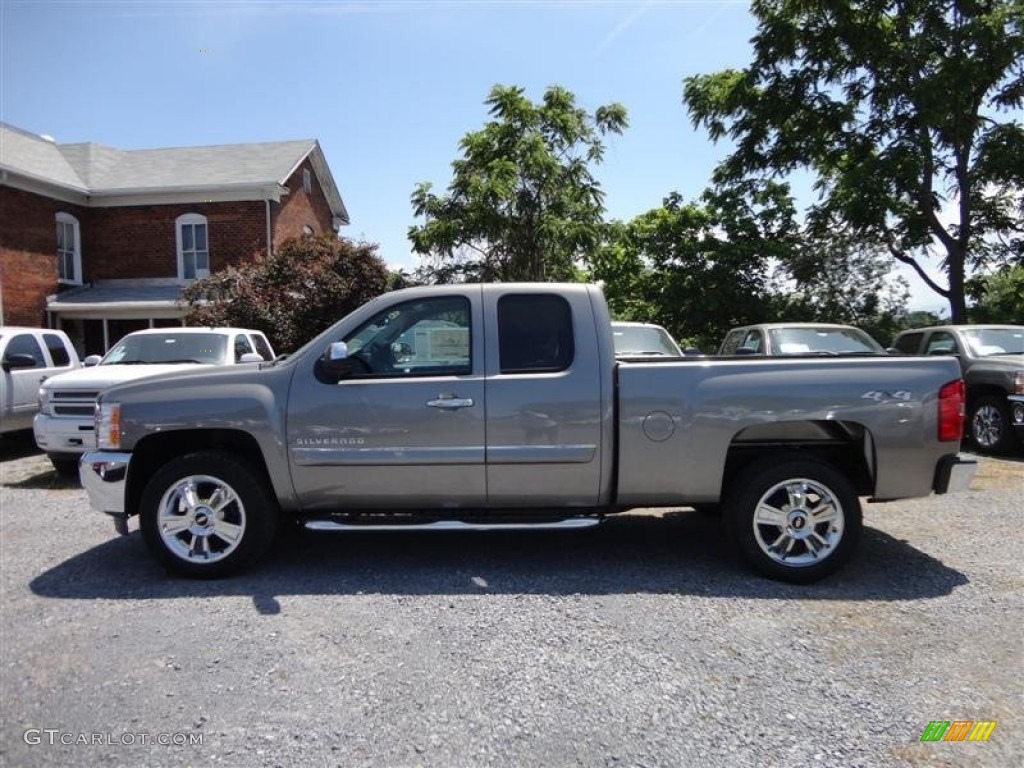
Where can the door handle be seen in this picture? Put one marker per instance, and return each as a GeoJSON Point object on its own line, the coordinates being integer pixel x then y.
{"type": "Point", "coordinates": [43, 378]}
{"type": "Point", "coordinates": [450, 403]}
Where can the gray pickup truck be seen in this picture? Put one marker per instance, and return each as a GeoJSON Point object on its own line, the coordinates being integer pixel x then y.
{"type": "Point", "coordinates": [991, 359]}
{"type": "Point", "coordinates": [503, 406]}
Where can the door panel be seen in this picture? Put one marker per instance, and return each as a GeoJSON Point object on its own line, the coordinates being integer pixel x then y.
{"type": "Point", "coordinates": [394, 434]}
{"type": "Point", "coordinates": [544, 402]}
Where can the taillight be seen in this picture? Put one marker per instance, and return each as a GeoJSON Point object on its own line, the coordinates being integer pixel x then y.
{"type": "Point", "coordinates": [951, 411]}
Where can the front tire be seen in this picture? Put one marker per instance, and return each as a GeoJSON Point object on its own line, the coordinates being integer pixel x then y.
{"type": "Point", "coordinates": [207, 515]}
{"type": "Point", "coordinates": [990, 425]}
{"type": "Point", "coordinates": [795, 520]}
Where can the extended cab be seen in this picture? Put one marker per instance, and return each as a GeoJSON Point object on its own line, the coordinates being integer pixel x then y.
{"type": "Point", "coordinates": [28, 357]}
{"type": "Point", "coordinates": [64, 426]}
{"type": "Point", "coordinates": [991, 358]}
{"type": "Point", "coordinates": [490, 406]}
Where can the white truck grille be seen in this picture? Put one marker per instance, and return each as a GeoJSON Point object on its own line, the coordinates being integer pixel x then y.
{"type": "Point", "coordinates": [71, 402]}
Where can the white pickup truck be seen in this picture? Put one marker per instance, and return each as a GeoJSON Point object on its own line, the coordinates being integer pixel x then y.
{"type": "Point", "coordinates": [28, 357]}
{"type": "Point", "coordinates": [64, 425]}
{"type": "Point", "coordinates": [510, 409]}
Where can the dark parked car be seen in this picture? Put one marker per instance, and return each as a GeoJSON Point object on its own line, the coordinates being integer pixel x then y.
{"type": "Point", "coordinates": [992, 360]}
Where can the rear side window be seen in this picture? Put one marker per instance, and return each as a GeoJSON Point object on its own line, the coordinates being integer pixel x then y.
{"type": "Point", "coordinates": [908, 343]}
{"type": "Point", "coordinates": [732, 342]}
{"type": "Point", "coordinates": [58, 352]}
{"type": "Point", "coordinates": [263, 347]}
{"type": "Point", "coordinates": [26, 344]}
{"type": "Point", "coordinates": [535, 333]}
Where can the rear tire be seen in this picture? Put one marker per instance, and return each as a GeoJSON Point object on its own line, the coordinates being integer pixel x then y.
{"type": "Point", "coordinates": [795, 519]}
{"type": "Point", "coordinates": [207, 515]}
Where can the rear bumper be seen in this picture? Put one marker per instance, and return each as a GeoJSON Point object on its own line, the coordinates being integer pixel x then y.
{"type": "Point", "coordinates": [954, 474]}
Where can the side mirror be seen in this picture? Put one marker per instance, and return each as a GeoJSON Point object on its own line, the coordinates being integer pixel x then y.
{"type": "Point", "coordinates": [251, 357]}
{"type": "Point", "coordinates": [18, 360]}
{"type": "Point", "coordinates": [335, 362]}
{"type": "Point", "coordinates": [91, 360]}
{"type": "Point", "coordinates": [692, 352]}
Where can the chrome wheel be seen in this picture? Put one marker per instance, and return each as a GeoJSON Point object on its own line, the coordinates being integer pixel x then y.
{"type": "Point", "coordinates": [987, 426]}
{"type": "Point", "coordinates": [798, 522]}
{"type": "Point", "coordinates": [201, 518]}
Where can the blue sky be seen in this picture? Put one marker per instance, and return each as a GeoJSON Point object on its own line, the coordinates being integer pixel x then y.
{"type": "Point", "coordinates": [388, 87]}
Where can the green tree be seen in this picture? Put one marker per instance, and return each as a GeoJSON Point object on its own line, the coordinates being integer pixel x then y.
{"type": "Point", "coordinates": [998, 297]}
{"type": "Point", "coordinates": [698, 268]}
{"type": "Point", "coordinates": [305, 286]}
{"type": "Point", "coordinates": [523, 203]}
{"type": "Point", "coordinates": [906, 111]}
{"type": "Point", "coordinates": [835, 278]}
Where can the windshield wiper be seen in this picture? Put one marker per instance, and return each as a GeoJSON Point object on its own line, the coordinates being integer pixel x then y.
{"type": "Point", "coordinates": [182, 360]}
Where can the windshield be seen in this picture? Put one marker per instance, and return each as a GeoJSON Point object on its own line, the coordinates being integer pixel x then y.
{"type": "Point", "coordinates": [644, 340]}
{"type": "Point", "coordinates": [170, 347]}
{"type": "Point", "coordinates": [823, 341]}
{"type": "Point", "coordinates": [987, 342]}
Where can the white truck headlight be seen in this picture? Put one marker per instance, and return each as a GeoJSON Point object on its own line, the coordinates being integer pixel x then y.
{"type": "Point", "coordinates": [44, 401]}
{"type": "Point", "coordinates": [108, 426]}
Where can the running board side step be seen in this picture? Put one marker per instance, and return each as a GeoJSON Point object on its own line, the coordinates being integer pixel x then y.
{"type": "Point", "coordinates": [455, 525]}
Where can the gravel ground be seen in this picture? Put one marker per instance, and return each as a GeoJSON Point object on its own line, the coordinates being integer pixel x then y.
{"type": "Point", "coordinates": [641, 643]}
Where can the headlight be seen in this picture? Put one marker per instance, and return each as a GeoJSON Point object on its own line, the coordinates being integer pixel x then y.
{"type": "Point", "coordinates": [44, 401]}
{"type": "Point", "coordinates": [108, 426]}
{"type": "Point", "coordinates": [1018, 383]}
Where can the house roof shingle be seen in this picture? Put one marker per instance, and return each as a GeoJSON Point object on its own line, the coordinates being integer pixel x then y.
{"type": "Point", "coordinates": [99, 170]}
{"type": "Point", "coordinates": [34, 156]}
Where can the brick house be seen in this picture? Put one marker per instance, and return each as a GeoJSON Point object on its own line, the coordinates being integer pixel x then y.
{"type": "Point", "coordinates": [99, 241]}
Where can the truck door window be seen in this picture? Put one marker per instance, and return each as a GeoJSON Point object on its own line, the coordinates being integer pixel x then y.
{"type": "Point", "coordinates": [26, 344]}
{"type": "Point", "coordinates": [425, 337]}
{"type": "Point", "coordinates": [535, 333]}
{"type": "Point", "coordinates": [242, 346]}
{"type": "Point", "coordinates": [941, 343]}
{"type": "Point", "coordinates": [58, 352]}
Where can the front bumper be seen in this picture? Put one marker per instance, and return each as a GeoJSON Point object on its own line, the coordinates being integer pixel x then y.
{"type": "Point", "coordinates": [104, 475]}
{"type": "Point", "coordinates": [954, 474]}
{"type": "Point", "coordinates": [63, 435]}
{"type": "Point", "coordinates": [1016, 403]}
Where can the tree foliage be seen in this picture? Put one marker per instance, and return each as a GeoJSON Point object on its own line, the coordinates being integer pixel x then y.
{"type": "Point", "coordinates": [523, 203]}
{"type": "Point", "coordinates": [836, 278]}
{"type": "Point", "coordinates": [998, 297]}
{"type": "Point", "coordinates": [305, 286]}
{"type": "Point", "coordinates": [698, 268]}
{"type": "Point", "coordinates": [906, 111]}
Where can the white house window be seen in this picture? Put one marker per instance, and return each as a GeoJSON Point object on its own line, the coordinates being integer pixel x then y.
{"type": "Point", "coordinates": [69, 249]}
{"type": "Point", "coordinates": [307, 181]}
{"type": "Point", "coordinates": [193, 247]}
